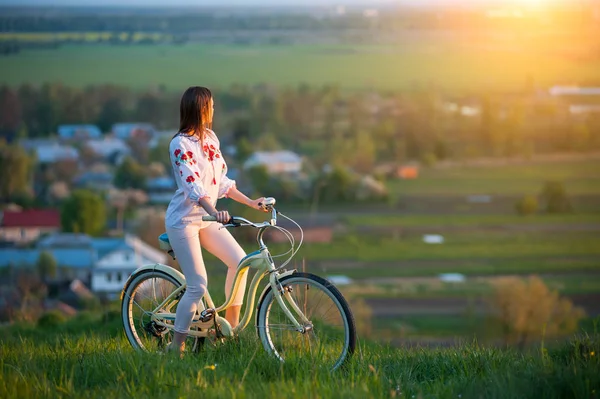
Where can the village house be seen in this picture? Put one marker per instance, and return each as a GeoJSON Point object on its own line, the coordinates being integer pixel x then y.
{"type": "Point", "coordinates": [22, 227]}
{"type": "Point", "coordinates": [117, 259]}
{"type": "Point", "coordinates": [111, 149]}
{"type": "Point", "coordinates": [160, 190]}
{"type": "Point", "coordinates": [49, 151]}
{"type": "Point", "coordinates": [126, 131]}
{"type": "Point", "coordinates": [75, 132]}
{"type": "Point", "coordinates": [97, 181]}
{"type": "Point", "coordinates": [276, 162]}
{"type": "Point", "coordinates": [103, 264]}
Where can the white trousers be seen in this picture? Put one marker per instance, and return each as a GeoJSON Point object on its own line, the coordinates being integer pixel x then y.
{"type": "Point", "coordinates": [187, 244]}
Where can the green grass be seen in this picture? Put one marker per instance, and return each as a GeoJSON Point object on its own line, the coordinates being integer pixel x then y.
{"type": "Point", "coordinates": [450, 64]}
{"type": "Point", "coordinates": [475, 221]}
{"type": "Point", "coordinates": [100, 364]}
{"type": "Point", "coordinates": [464, 326]}
{"type": "Point", "coordinates": [579, 176]}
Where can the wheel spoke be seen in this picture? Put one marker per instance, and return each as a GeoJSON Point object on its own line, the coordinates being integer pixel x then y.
{"type": "Point", "coordinates": [328, 339]}
{"type": "Point", "coordinates": [145, 293]}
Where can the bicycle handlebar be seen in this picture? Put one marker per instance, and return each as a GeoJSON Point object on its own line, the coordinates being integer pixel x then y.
{"type": "Point", "coordinates": [237, 221]}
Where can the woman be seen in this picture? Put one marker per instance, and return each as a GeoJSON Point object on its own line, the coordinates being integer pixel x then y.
{"type": "Point", "coordinates": [201, 175]}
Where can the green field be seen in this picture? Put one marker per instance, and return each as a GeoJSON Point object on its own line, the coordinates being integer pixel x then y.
{"type": "Point", "coordinates": [89, 358]}
{"type": "Point", "coordinates": [451, 65]}
{"type": "Point", "coordinates": [461, 245]}
{"type": "Point", "coordinates": [580, 177]}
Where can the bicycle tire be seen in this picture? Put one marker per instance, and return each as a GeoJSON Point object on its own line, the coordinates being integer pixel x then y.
{"type": "Point", "coordinates": [132, 332]}
{"type": "Point", "coordinates": [265, 307]}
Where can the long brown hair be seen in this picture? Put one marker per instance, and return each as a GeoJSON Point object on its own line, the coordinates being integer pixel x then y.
{"type": "Point", "coordinates": [194, 112]}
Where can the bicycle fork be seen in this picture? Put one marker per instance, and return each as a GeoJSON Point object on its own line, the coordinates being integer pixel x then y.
{"type": "Point", "coordinates": [282, 292]}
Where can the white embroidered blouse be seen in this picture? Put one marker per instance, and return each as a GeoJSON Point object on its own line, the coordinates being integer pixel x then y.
{"type": "Point", "coordinates": [200, 171]}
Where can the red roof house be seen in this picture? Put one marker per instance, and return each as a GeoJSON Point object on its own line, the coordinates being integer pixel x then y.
{"type": "Point", "coordinates": [28, 225]}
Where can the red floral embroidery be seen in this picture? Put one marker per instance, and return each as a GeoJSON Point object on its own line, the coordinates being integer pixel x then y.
{"type": "Point", "coordinates": [214, 181]}
{"type": "Point", "coordinates": [177, 163]}
{"type": "Point", "coordinates": [210, 152]}
{"type": "Point", "coordinates": [190, 179]}
{"type": "Point", "coordinates": [184, 157]}
{"type": "Point", "coordinates": [180, 173]}
{"type": "Point", "coordinates": [190, 154]}
{"type": "Point", "coordinates": [177, 152]}
{"type": "Point", "coordinates": [197, 174]}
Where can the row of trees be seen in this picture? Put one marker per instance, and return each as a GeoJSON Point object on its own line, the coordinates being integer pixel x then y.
{"type": "Point", "coordinates": [359, 129]}
{"type": "Point", "coordinates": [311, 20]}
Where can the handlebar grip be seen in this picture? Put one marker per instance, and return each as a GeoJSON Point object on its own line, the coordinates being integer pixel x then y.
{"type": "Point", "coordinates": [209, 218]}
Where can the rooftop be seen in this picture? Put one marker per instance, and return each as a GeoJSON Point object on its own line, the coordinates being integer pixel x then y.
{"type": "Point", "coordinates": [31, 218]}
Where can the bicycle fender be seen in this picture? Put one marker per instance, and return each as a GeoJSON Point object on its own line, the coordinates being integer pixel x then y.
{"type": "Point", "coordinates": [262, 295]}
{"type": "Point", "coordinates": [176, 274]}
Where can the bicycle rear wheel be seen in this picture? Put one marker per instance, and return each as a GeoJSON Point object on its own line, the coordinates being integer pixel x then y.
{"type": "Point", "coordinates": [331, 340]}
{"type": "Point", "coordinates": [142, 295]}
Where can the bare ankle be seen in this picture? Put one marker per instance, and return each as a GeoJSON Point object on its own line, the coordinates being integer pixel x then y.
{"type": "Point", "coordinates": [179, 340]}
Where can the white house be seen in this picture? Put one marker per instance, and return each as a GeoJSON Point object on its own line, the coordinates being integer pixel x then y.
{"type": "Point", "coordinates": [126, 131]}
{"type": "Point", "coordinates": [276, 162]}
{"type": "Point", "coordinates": [117, 259]}
{"type": "Point", "coordinates": [109, 147]}
{"type": "Point", "coordinates": [50, 151]}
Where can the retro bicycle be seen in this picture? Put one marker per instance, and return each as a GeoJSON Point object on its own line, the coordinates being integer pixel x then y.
{"type": "Point", "coordinates": [299, 316]}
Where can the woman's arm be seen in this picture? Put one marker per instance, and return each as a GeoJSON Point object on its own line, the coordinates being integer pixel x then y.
{"type": "Point", "coordinates": [240, 197]}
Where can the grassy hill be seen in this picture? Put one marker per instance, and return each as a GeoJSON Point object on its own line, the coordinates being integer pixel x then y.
{"type": "Point", "coordinates": [89, 358]}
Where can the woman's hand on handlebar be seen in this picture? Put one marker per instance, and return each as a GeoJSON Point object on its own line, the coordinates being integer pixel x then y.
{"type": "Point", "coordinates": [222, 216]}
{"type": "Point", "coordinates": [258, 204]}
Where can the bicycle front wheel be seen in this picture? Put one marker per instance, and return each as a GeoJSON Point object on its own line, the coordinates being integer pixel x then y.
{"type": "Point", "coordinates": [331, 338]}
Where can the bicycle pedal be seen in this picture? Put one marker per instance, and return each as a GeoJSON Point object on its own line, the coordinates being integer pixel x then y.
{"type": "Point", "coordinates": [207, 315]}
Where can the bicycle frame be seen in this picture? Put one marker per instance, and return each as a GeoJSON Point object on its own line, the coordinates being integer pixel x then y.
{"type": "Point", "coordinates": [260, 260]}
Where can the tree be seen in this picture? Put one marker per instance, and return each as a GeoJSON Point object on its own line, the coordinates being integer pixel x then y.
{"type": "Point", "coordinates": [46, 266]}
{"type": "Point", "coordinates": [112, 112]}
{"type": "Point", "coordinates": [364, 153]}
{"type": "Point", "coordinates": [528, 310]}
{"type": "Point", "coordinates": [335, 186]}
{"type": "Point", "coordinates": [554, 196]}
{"type": "Point", "coordinates": [10, 112]}
{"type": "Point", "coordinates": [16, 166]}
{"type": "Point", "coordinates": [527, 205]}
{"type": "Point", "coordinates": [259, 178]}
{"type": "Point", "coordinates": [244, 149]}
{"type": "Point", "coordinates": [124, 200]}
{"type": "Point", "coordinates": [130, 174]}
{"type": "Point", "coordinates": [83, 212]}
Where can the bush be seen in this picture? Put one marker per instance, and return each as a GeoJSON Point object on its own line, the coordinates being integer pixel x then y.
{"type": "Point", "coordinates": [52, 318]}
{"type": "Point", "coordinates": [527, 205]}
{"type": "Point", "coordinates": [554, 196]}
{"type": "Point", "coordinates": [429, 159]}
{"type": "Point", "coordinates": [529, 311]}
